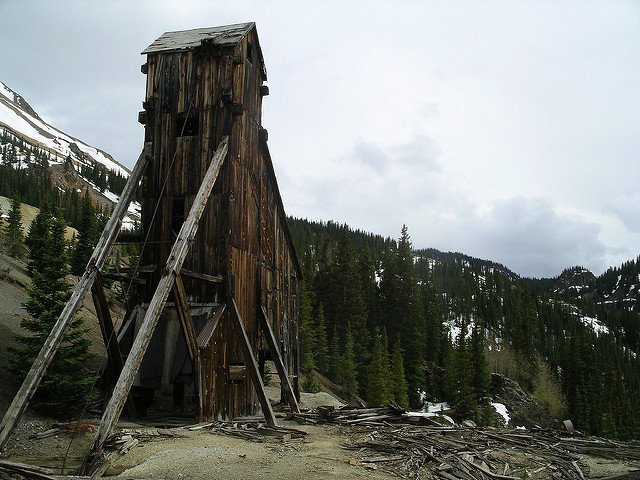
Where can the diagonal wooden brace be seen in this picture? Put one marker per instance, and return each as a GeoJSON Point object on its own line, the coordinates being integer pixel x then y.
{"type": "Point", "coordinates": [250, 358]}
{"type": "Point", "coordinates": [109, 337]}
{"type": "Point", "coordinates": [156, 305]}
{"type": "Point", "coordinates": [50, 347]}
{"type": "Point", "coordinates": [263, 319]}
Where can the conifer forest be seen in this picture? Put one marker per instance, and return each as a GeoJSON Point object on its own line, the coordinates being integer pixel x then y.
{"type": "Point", "coordinates": [388, 322]}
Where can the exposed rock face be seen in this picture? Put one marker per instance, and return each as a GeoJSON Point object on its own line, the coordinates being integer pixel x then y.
{"type": "Point", "coordinates": [576, 279]}
{"type": "Point", "coordinates": [523, 409]}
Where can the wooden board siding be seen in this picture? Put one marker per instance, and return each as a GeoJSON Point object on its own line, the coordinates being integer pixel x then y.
{"type": "Point", "coordinates": [243, 229]}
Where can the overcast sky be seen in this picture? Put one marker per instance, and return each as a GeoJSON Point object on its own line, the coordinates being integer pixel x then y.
{"type": "Point", "coordinates": [504, 130]}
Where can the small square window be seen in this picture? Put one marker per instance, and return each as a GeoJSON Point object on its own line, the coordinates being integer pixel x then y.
{"type": "Point", "coordinates": [187, 126]}
{"type": "Point", "coordinates": [249, 52]}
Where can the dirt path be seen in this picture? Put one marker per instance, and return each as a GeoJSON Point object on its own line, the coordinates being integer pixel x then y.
{"type": "Point", "coordinates": [204, 455]}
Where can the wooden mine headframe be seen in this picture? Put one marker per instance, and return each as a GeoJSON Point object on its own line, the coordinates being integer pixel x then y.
{"type": "Point", "coordinates": [218, 279]}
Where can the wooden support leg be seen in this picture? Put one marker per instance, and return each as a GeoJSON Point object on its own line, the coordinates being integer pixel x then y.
{"type": "Point", "coordinates": [109, 336]}
{"type": "Point", "coordinates": [184, 315]}
{"type": "Point", "coordinates": [100, 253]}
{"type": "Point", "coordinates": [252, 365]}
{"type": "Point", "coordinates": [277, 359]}
{"type": "Point", "coordinates": [189, 331]}
{"type": "Point", "coordinates": [174, 263]}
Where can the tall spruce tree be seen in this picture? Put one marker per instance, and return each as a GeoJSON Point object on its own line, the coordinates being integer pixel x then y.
{"type": "Point", "coordinates": [38, 237]}
{"type": "Point", "coordinates": [349, 372]}
{"type": "Point", "coordinates": [398, 383]}
{"type": "Point", "coordinates": [87, 236]}
{"type": "Point", "coordinates": [67, 384]}
{"type": "Point", "coordinates": [14, 238]}
{"type": "Point", "coordinates": [378, 385]}
{"type": "Point", "coordinates": [321, 349]}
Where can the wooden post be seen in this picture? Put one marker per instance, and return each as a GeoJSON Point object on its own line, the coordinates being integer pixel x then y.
{"type": "Point", "coordinates": [184, 315]}
{"type": "Point", "coordinates": [141, 342]}
{"type": "Point", "coordinates": [109, 336]}
{"type": "Point", "coordinates": [189, 331]}
{"type": "Point", "coordinates": [277, 359]}
{"type": "Point", "coordinates": [253, 366]}
{"type": "Point", "coordinates": [100, 253]}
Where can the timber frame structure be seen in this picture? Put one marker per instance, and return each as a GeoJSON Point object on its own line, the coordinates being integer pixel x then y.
{"type": "Point", "coordinates": [217, 286]}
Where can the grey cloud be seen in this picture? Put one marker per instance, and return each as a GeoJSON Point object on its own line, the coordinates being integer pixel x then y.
{"type": "Point", "coordinates": [421, 153]}
{"type": "Point", "coordinates": [531, 236]}
{"type": "Point", "coordinates": [627, 209]}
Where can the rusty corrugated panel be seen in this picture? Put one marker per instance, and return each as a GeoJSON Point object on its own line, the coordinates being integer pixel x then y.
{"type": "Point", "coordinates": [204, 337]}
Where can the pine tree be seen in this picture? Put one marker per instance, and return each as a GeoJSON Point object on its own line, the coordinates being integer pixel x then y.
{"type": "Point", "coordinates": [67, 384]}
{"type": "Point", "coordinates": [14, 238]}
{"type": "Point", "coordinates": [334, 367]}
{"type": "Point", "coordinates": [349, 373]}
{"type": "Point", "coordinates": [321, 349]}
{"type": "Point", "coordinates": [87, 236]}
{"type": "Point", "coordinates": [378, 385]}
{"type": "Point", "coordinates": [307, 343]}
{"type": "Point", "coordinates": [398, 383]}
{"type": "Point", "coordinates": [38, 238]}
{"type": "Point", "coordinates": [465, 401]}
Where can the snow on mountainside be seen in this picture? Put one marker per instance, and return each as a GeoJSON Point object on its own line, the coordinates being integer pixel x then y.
{"type": "Point", "coordinates": [19, 121]}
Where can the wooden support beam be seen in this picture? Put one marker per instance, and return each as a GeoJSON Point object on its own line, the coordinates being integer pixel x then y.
{"type": "Point", "coordinates": [184, 315]}
{"type": "Point", "coordinates": [109, 336]}
{"type": "Point", "coordinates": [100, 253]}
{"type": "Point", "coordinates": [263, 320]}
{"type": "Point", "coordinates": [202, 276]}
{"type": "Point", "coordinates": [156, 305]}
{"type": "Point", "coordinates": [250, 359]}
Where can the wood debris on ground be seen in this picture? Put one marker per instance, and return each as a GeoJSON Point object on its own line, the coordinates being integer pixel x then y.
{"type": "Point", "coordinates": [252, 430]}
{"type": "Point", "coordinates": [387, 438]}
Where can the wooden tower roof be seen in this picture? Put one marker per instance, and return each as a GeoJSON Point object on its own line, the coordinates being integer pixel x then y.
{"type": "Point", "coordinates": [223, 36]}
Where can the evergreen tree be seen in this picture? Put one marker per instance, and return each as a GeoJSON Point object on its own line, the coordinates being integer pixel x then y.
{"type": "Point", "coordinates": [321, 349]}
{"type": "Point", "coordinates": [38, 238]}
{"type": "Point", "coordinates": [14, 238]}
{"type": "Point", "coordinates": [398, 383]}
{"type": "Point", "coordinates": [334, 367]}
{"type": "Point", "coordinates": [378, 385]}
{"type": "Point", "coordinates": [465, 401]}
{"type": "Point", "coordinates": [349, 373]}
{"type": "Point", "coordinates": [87, 236]}
{"type": "Point", "coordinates": [307, 343]}
{"type": "Point", "coordinates": [66, 385]}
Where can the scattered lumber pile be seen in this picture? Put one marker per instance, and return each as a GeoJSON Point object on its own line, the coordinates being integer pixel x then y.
{"type": "Point", "coordinates": [127, 438]}
{"type": "Point", "coordinates": [370, 417]}
{"type": "Point", "coordinates": [388, 437]}
{"type": "Point", "coordinates": [251, 430]}
{"type": "Point", "coordinates": [470, 453]}
{"type": "Point", "coordinates": [19, 471]}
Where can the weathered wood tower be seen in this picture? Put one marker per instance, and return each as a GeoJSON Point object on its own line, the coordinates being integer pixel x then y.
{"type": "Point", "coordinates": [203, 85]}
{"type": "Point", "coordinates": [218, 277]}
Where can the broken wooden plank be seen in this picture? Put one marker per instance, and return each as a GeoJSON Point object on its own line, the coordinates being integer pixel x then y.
{"type": "Point", "coordinates": [48, 350]}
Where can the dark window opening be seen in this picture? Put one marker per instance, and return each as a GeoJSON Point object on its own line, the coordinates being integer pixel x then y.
{"type": "Point", "coordinates": [187, 126]}
{"type": "Point", "coordinates": [249, 52]}
{"type": "Point", "coordinates": [177, 214]}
